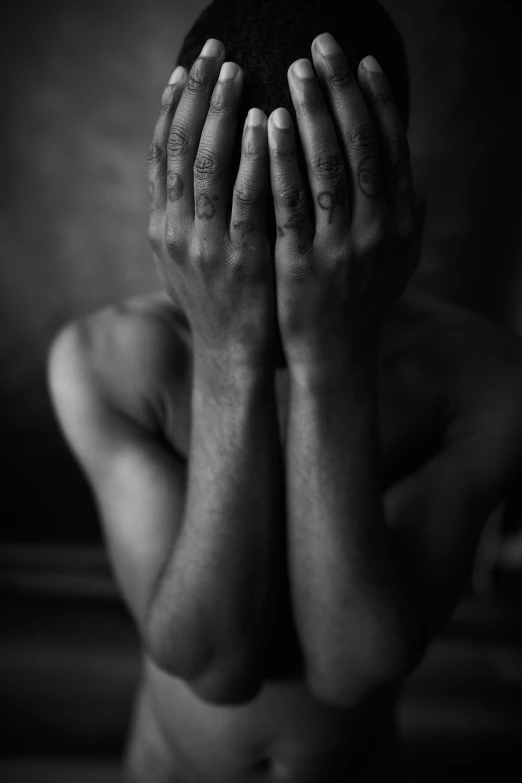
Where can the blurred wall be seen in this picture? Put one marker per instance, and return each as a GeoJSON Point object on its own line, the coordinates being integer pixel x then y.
{"type": "Point", "coordinates": [81, 84]}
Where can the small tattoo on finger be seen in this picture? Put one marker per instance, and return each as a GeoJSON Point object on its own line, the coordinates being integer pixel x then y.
{"type": "Point", "coordinates": [205, 208]}
{"type": "Point", "coordinates": [175, 187]}
{"type": "Point", "coordinates": [326, 201]}
{"type": "Point", "coordinates": [368, 178]}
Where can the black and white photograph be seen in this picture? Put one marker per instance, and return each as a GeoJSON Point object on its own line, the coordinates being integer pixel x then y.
{"type": "Point", "coordinates": [261, 383]}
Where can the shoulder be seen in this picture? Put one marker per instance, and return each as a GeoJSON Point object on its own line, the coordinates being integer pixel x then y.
{"type": "Point", "coordinates": [468, 353]}
{"type": "Point", "coordinates": [475, 366]}
{"type": "Point", "coordinates": [119, 360]}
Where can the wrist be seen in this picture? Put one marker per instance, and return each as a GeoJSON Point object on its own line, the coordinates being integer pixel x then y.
{"type": "Point", "coordinates": [355, 368]}
{"type": "Point", "coordinates": [228, 382]}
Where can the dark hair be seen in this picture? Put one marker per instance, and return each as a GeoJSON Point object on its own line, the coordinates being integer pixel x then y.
{"type": "Point", "coordinates": [264, 37]}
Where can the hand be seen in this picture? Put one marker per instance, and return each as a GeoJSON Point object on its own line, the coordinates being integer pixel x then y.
{"type": "Point", "coordinates": [220, 273]}
{"type": "Point", "coordinates": [337, 278]}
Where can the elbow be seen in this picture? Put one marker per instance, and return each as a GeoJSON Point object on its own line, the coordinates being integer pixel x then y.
{"type": "Point", "coordinates": [214, 681]}
{"type": "Point", "coordinates": [350, 680]}
{"type": "Point", "coordinates": [234, 679]}
{"type": "Point", "coordinates": [226, 689]}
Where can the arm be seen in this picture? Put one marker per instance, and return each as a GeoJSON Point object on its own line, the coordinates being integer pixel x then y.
{"type": "Point", "coordinates": [350, 605]}
{"type": "Point", "coordinates": [216, 262]}
{"type": "Point", "coordinates": [191, 549]}
{"type": "Point", "coordinates": [201, 581]}
{"type": "Point", "coordinates": [351, 560]}
{"type": "Point", "coordinates": [353, 613]}
{"type": "Point", "coordinates": [209, 610]}
{"type": "Point", "coordinates": [433, 519]}
{"type": "Point", "coordinates": [438, 512]}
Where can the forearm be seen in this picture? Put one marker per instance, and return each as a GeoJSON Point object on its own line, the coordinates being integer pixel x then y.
{"type": "Point", "coordinates": [212, 605]}
{"type": "Point", "coordinates": [347, 598]}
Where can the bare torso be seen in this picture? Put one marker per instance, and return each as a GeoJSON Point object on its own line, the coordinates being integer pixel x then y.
{"type": "Point", "coordinates": [284, 733]}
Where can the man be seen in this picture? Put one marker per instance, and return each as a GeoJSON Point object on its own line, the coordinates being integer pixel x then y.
{"type": "Point", "coordinates": [291, 457]}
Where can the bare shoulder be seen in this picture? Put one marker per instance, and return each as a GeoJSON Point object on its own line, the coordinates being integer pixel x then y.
{"type": "Point", "coordinates": [119, 360]}
{"type": "Point", "coordinates": [474, 368]}
{"type": "Point", "coordinates": [475, 356]}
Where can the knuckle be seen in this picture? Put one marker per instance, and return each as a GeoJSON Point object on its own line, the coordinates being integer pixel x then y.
{"type": "Point", "coordinates": [245, 197]}
{"type": "Point", "coordinates": [336, 252]}
{"type": "Point", "coordinates": [244, 229]}
{"type": "Point", "coordinates": [219, 105]}
{"type": "Point", "coordinates": [153, 237]}
{"type": "Point", "coordinates": [206, 165]}
{"type": "Point", "coordinates": [179, 142]}
{"type": "Point", "coordinates": [156, 153]}
{"type": "Point", "coordinates": [281, 153]}
{"type": "Point", "coordinates": [171, 244]}
{"type": "Point", "coordinates": [171, 238]}
{"type": "Point", "coordinates": [380, 88]}
{"type": "Point", "coordinates": [313, 103]}
{"type": "Point", "coordinates": [238, 266]}
{"type": "Point", "coordinates": [372, 238]}
{"type": "Point", "coordinates": [327, 165]}
{"type": "Point", "coordinates": [340, 75]}
{"type": "Point", "coordinates": [203, 256]}
{"type": "Point", "coordinates": [295, 267]}
{"type": "Point", "coordinates": [253, 151]}
{"type": "Point", "coordinates": [291, 197]}
{"type": "Point", "coordinates": [362, 137]}
{"type": "Point", "coordinates": [197, 79]}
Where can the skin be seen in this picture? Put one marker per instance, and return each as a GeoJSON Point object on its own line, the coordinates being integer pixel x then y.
{"type": "Point", "coordinates": [333, 289]}
{"type": "Point", "coordinates": [220, 495]}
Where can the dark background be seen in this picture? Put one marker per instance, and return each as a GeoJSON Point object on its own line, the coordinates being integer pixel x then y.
{"type": "Point", "coordinates": [81, 84]}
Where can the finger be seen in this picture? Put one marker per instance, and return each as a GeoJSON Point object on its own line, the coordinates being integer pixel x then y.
{"type": "Point", "coordinates": [157, 167]}
{"type": "Point", "coordinates": [185, 132]}
{"type": "Point", "coordinates": [294, 220]}
{"type": "Point", "coordinates": [212, 166]}
{"type": "Point", "coordinates": [247, 223]}
{"type": "Point", "coordinates": [324, 160]}
{"type": "Point", "coordinates": [393, 143]}
{"type": "Point", "coordinates": [356, 131]}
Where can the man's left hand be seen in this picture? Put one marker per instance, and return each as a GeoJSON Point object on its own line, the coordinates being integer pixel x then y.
{"type": "Point", "coordinates": [342, 260]}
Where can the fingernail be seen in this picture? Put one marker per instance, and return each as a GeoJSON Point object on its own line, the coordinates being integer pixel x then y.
{"type": "Point", "coordinates": [228, 72]}
{"type": "Point", "coordinates": [327, 44]}
{"type": "Point", "coordinates": [212, 48]}
{"type": "Point", "coordinates": [371, 64]}
{"type": "Point", "coordinates": [303, 69]}
{"type": "Point", "coordinates": [255, 117]}
{"type": "Point", "coordinates": [281, 119]}
{"type": "Point", "coordinates": [177, 75]}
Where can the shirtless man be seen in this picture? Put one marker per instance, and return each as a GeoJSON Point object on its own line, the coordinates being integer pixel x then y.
{"type": "Point", "coordinates": [288, 537]}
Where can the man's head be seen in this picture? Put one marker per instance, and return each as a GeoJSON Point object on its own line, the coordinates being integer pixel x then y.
{"type": "Point", "coordinates": [265, 37]}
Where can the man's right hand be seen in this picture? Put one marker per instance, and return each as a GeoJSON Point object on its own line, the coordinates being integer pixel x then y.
{"type": "Point", "coordinates": [220, 273]}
